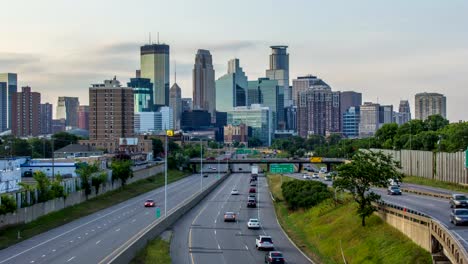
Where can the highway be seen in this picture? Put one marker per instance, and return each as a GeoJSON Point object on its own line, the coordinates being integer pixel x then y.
{"type": "Point", "coordinates": [437, 208]}
{"type": "Point", "coordinates": [202, 236]}
{"type": "Point", "coordinates": [91, 238]}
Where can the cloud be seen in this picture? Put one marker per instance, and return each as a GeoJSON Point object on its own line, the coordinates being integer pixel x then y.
{"type": "Point", "coordinates": [11, 62]}
{"type": "Point", "coordinates": [127, 48]}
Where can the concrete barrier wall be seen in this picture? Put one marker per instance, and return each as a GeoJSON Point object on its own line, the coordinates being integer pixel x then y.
{"type": "Point", "coordinates": [31, 213]}
{"type": "Point", "coordinates": [450, 167]}
{"type": "Point", "coordinates": [126, 252]}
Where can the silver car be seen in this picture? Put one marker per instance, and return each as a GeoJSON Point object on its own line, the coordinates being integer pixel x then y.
{"type": "Point", "coordinates": [459, 216]}
{"type": "Point", "coordinates": [458, 200]}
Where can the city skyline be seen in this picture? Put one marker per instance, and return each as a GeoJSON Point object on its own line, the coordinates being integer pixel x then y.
{"type": "Point", "coordinates": [389, 52]}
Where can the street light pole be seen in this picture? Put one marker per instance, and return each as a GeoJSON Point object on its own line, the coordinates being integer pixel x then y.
{"type": "Point", "coordinates": [165, 178]}
{"type": "Point", "coordinates": [201, 165]}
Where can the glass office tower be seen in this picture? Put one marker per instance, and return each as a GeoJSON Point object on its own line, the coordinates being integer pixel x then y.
{"type": "Point", "coordinates": [231, 88]}
{"type": "Point", "coordinates": [268, 93]}
{"type": "Point", "coordinates": [8, 86]}
{"type": "Point", "coordinates": [155, 66]}
{"type": "Point", "coordinates": [257, 117]}
{"type": "Point", "coordinates": [142, 94]}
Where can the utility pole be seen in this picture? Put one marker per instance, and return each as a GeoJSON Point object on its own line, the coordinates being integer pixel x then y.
{"type": "Point", "coordinates": [165, 178]}
{"type": "Point", "coordinates": [201, 165]}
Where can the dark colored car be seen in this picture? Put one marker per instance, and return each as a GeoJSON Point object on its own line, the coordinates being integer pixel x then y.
{"type": "Point", "coordinates": [229, 217]}
{"type": "Point", "coordinates": [393, 190]}
{"type": "Point", "coordinates": [252, 190]}
{"type": "Point", "coordinates": [210, 158]}
{"type": "Point", "coordinates": [251, 204]}
{"type": "Point", "coordinates": [205, 175]}
{"type": "Point", "coordinates": [459, 216]}
{"type": "Point", "coordinates": [274, 257]}
{"type": "Point", "coordinates": [150, 203]}
{"type": "Point", "coordinates": [458, 200]}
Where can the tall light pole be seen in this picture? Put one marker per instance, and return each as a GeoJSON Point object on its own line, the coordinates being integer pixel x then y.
{"type": "Point", "coordinates": [165, 177]}
{"type": "Point", "coordinates": [201, 165]}
{"type": "Point", "coordinates": [218, 158]}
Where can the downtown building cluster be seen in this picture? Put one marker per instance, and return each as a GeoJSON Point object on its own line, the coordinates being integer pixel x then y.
{"type": "Point", "coordinates": [231, 108]}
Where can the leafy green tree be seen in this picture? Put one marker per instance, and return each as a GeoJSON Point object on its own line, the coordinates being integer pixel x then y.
{"type": "Point", "coordinates": [386, 134]}
{"type": "Point", "coordinates": [85, 172]}
{"type": "Point", "coordinates": [368, 169]}
{"type": "Point", "coordinates": [454, 137]}
{"type": "Point", "coordinates": [122, 170]}
{"type": "Point", "coordinates": [254, 142]}
{"type": "Point", "coordinates": [313, 141]}
{"type": "Point", "coordinates": [236, 144]}
{"type": "Point", "coordinates": [304, 194]}
{"type": "Point", "coordinates": [98, 180]}
{"type": "Point", "coordinates": [43, 186]}
{"type": "Point", "coordinates": [8, 204]}
{"type": "Point", "coordinates": [62, 139]}
{"type": "Point", "coordinates": [56, 188]}
{"type": "Point", "coordinates": [158, 147]}
{"type": "Point", "coordinates": [435, 122]}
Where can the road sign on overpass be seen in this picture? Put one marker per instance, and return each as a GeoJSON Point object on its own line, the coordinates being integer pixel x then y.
{"type": "Point", "coordinates": [281, 168]}
{"type": "Point", "coordinates": [316, 159]}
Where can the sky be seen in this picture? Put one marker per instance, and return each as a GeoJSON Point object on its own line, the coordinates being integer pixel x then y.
{"type": "Point", "coordinates": [387, 50]}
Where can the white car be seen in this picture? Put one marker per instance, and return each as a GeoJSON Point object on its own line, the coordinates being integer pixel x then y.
{"type": "Point", "coordinates": [315, 176]}
{"type": "Point", "coordinates": [234, 192]}
{"type": "Point", "coordinates": [253, 223]}
{"type": "Point", "coordinates": [264, 242]}
{"type": "Point", "coordinates": [306, 176]}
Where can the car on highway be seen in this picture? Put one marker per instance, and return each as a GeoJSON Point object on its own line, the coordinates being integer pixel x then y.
{"type": "Point", "coordinates": [253, 223]}
{"type": "Point", "coordinates": [205, 175]}
{"type": "Point", "coordinates": [274, 257]}
{"type": "Point", "coordinates": [315, 176]}
{"type": "Point", "coordinates": [394, 182]}
{"type": "Point", "coordinates": [251, 203]}
{"type": "Point", "coordinates": [393, 190]}
{"type": "Point", "coordinates": [323, 170]}
{"type": "Point", "coordinates": [306, 177]}
{"type": "Point", "coordinates": [328, 177]}
{"type": "Point", "coordinates": [229, 217]}
{"type": "Point", "coordinates": [252, 195]}
{"type": "Point", "coordinates": [458, 200]}
{"type": "Point", "coordinates": [210, 158]}
{"type": "Point", "coordinates": [459, 216]}
{"type": "Point", "coordinates": [212, 168]}
{"type": "Point", "coordinates": [253, 184]}
{"type": "Point", "coordinates": [150, 203]}
{"type": "Point", "coordinates": [264, 242]}
{"type": "Point", "coordinates": [234, 192]}
{"type": "Point", "coordinates": [252, 190]}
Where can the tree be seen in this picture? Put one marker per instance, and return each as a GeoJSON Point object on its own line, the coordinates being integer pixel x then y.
{"type": "Point", "coordinates": [43, 186]}
{"type": "Point", "coordinates": [85, 173]}
{"type": "Point", "coordinates": [254, 142]}
{"type": "Point", "coordinates": [386, 134]}
{"type": "Point", "coordinates": [8, 204]}
{"type": "Point", "coordinates": [304, 194]}
{"type": "Point", "coordinates": [122, 170]}
{"type": "Point", "coordinates": [62, 139]}
{"type": "Point", "coordinates": [435, 122]}
{"type": "Point", "coordinates": [158, 147]}
{"type": "Point", "coordinates": [368, 169]}
{"type": "Point", "coordinates": [98, 180]}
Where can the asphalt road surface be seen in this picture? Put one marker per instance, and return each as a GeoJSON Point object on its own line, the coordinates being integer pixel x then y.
{"type": "Point", "coordinates": [202, 236]}
{"type": "Point", "coordinates": [437, 208]}
{"type": "Point", "coordinates": [92, 238]}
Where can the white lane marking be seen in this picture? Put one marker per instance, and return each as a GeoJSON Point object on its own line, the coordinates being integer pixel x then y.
{"type": "Point", "coordinates": [86, 234]}
{"type": "Point", "coordinates": [146, 213]}
{"type": "Point", "coordinates": [246, 247]}
{"type": "Point", "coordinates": [79, 237]}
{"type": "Point", "coordinates": [99, 227]}
{"type": "Point", "coordinates": [32, 261]}
{"type": "Point", "coordinates": [117, 230]}
{"type": "Point", "coordinates": [216, 220]}
{"type": "Point", "coordinates": [71, 241]}
{"type": "Point", "coordinates": [219, 247]}
{"type": "Point", "coordinates": [215, 232]}
{"type": "Point", "coordinates": [92, 230]}
{"type": "Point", "coordinates": [133, 221]}
{"type": "Point", "coordinates": [53, 250]}
{"type": "Point", "coordinates": [71, 259]}
{"type": "Point", "coordinates": [43, 256]}
{"type": "Point", "coordinates": [99, 241]}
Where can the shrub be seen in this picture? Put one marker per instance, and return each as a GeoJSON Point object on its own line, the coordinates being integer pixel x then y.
{"type": "Point", "coordinates": [8, 204]}
{"type": "Point", "coordinates": [304, 194]}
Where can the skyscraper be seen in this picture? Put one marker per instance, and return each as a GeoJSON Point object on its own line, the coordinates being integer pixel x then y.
{"type": "Point", "coordinates": [83, 117]}
{"type": "Point", "coordinates": [204, 93]}
{"type": "Point", "coordinates": [143, 95]}
{"type": "Point", "coordinates": [404, 113]}
{"type": "Point", "coordinates": [427, 104]}
{"type": "Point", "coordinates": [268, 93]}
{"type": "Point", "coordinates": [46, 119]}
{"type": "Point", "coordinates": [350, 123]}
{"type": "Point", "coordinates": [175, 102]}
{"type": "Point", "coordinates": [279, 70]}
{"type": "Point", "coordinates": [350, 99]}
{"type": "Point", "coordinates": [303, 83]}
{"type": "Point", "coordinates": [385, 115]}
{"type": "Point", "coordinates": [26, 113]}
{"type": "Point", "coordinates": [111, 114]}
{"type": "Point", "coordinates": [369, 119]}
{"type": "Point", "coordinates": [258, 117]}
{"type": "Point", "coordinates": [155, 66]}
{"type": "Point", "coordinates": [318, 112]}
{"type": "Point", "coordinates": [67, 108]}
{"type": "Point", "coordinates": [8, 86]}
{"type": "Point", "coordinates": [187, 104]}
{"type": "Point", "coordinates": [231, 88]}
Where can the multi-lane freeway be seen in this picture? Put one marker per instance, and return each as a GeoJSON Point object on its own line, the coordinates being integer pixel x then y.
{"type": "Point", "coordinates": [202, 236]}
{"type": "Point", "coordinates": [437, 208]}
{"type": "Point", "coordinates": [92, 238]}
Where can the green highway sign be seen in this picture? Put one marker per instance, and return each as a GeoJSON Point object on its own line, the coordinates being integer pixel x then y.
{"type": "Point", "coordinates": [243, 151]}
{"type": "Point", "coordinates": [466, 158]}
{"type": "Point", "coordinates": [281, 168]}
{"type": "Point", "coordinates": [158, 212]}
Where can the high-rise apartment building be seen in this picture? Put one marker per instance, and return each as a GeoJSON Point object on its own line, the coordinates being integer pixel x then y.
{"type": "Point", "coordinates": [46, 119]}
{"type": "Point", "coordinates": [111, 114]}
{"type": "Point", "coordinates": [231, 88]}
{"type": "Point", "coordinates": [8, 86]}
{"type": "Point", "coordinates": [350, 99]}
{"type": "Point", "coordinates": [67, 108]}
{"type": "Point", "coordinates": [369, 119]}
{"type": "Point", "coordinates": [187, 104]}
{"type": "Point", "coordinates": [427, 104]}
{"type": "Point", "coordinates": [268, 93]}
{"type": "Point", "coordinates": [142, 94]}
{"type": "Point", "coordinates": [303, 83]}
{"type": "Point", "coordinates": [83, 117]}
{"type": "Point", "coordinates": [155, 66]}
{"type": "Point", "coordinates": [204, 92]}
{"type": "Point", "coordinates": [404, 113]}
{"type": "Point", "coordinates": [351, 120]}
{"type": "Point", "coordinates": [256, 116]}
{"type": "Point", "coordinates": [26, 113]}
{"type": "Point", "coordinates": [175, 102]}
{"type": "Point", "coordinates": [279, 70]}
{"type": "Point", "coordinates": [237, 133]}
{"type": "Point", "coordinates": [385, 115]}
{"type": "Point", "coordinates": [318, 112]}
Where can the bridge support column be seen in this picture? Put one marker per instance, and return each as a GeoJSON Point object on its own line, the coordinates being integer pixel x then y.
{"type": "Point", "coordinates": [300, 165]}
{"type": "Point", "coordinates": [194, 168]}
{"type": "Point", "coordinates": [328, 167]}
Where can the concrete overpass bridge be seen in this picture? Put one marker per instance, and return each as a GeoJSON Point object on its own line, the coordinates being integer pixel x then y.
{"type": "Point", "coordinates": [300, 162]}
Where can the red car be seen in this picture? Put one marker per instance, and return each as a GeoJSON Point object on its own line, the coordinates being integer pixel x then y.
{"type": "Point", "coordinates": [150, 203]}
{"type": "Point", "coordinates": [210, 158]}
{"type": "Point", "coordinates": [252, 190]}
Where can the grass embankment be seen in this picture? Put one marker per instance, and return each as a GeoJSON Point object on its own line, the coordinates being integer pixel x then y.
{"type": "Point", "coordinates": [156, 252]}
{"type": "Point", "coordinates": [9, 235]}
{"type": "Point", "coordinates": [435, 183]}
{"type": "Point", "coordinates": [323, 230]}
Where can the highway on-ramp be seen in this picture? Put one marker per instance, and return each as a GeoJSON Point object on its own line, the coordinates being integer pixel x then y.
{"type": "Point", "coordinates": [90, 239]}
{"type": "Point", "coordinates": [202, 236]}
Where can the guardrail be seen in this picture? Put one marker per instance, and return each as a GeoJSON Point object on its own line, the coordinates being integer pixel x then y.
{"type": "Point", "coordinates": [453, 248]}
{"type": "Point", "coordinates": [427, 193]}
{"type": "Point", "coordinates": [127, 251]}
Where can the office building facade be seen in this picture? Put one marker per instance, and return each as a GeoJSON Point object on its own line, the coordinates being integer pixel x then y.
{"type": "Point", "coordinates": [187, 104]}
{"type": "Point", "coordinates": [143, 95]}
{"type": "Point", "coordinates": [268, 93]}
{"type": "Point", "coordinates": [351, 120]}
{"type": "Point", "coordinates": [26, 113]}
{"type": "Point", "coordinates": [318, 112]}
{"type": "Point", "coordinates": [83, 117]}
{"type": "Point", "coordinates": [8, 86]}
{"type": "Point", "coordinates": [46, 119]}
{"type": "Point", "coordinates": [404, 113]}
{"type": "Point", "coordinates": [385, 114]}
{"type": "Point", "coordinates": [154, 65]}
{"type": "Point", "coordinates": [369, 121]}
{"type": "Point", "coordinates": [195, 120]}
{"type": "Point", "coordinates": [237, 133]}
{"type": "Point", "coordinates": [427, 104]}
{"type": "Point", "coordinates": [204, 92]}
{"type": "Point", "coordinates": [148, 122]}
{"type": "Point", "coordinates": [304, 83]}
{"type": "Point", "coordinates": [279, 70]}
{"type": "Point", "coordinates": [67, 108]}
{"type": "Point", "coordinates": [256, 116]}
{"type": "Point", "coordinates": [175, 102]}
{"type": "Point", "coordinates": [231, 88]}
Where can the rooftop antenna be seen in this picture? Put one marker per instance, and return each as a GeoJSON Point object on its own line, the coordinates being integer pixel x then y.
{"type": "Point", "coordinates": [175, 71]}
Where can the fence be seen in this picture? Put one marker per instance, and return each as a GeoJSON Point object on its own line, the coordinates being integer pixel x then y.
{"type": "Point", "coordinates": [442, 166]}
{"type": "Point", "coordinates": [30, 213]}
